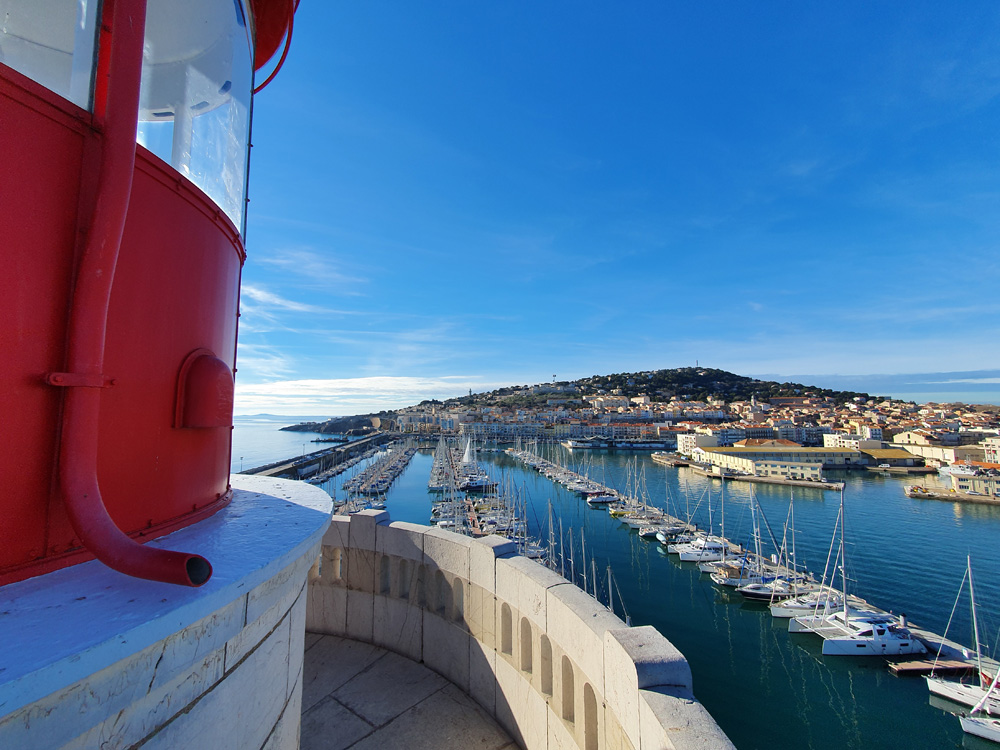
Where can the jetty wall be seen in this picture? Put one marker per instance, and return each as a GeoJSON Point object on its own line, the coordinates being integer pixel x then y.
{"type": "Point", "coordinates": [552, 665]}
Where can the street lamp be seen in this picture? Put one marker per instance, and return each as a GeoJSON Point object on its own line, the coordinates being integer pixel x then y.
{"type": "Point", "coordinates": [303, 450]}
{"type": "Point", "coordinates": [241, 464]}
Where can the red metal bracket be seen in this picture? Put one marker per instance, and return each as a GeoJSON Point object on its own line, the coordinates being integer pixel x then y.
{"type": "Point", "coordinates": [79, 380]}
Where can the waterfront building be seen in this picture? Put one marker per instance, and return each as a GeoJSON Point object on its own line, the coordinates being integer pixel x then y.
{"type": "Point", "coordinates": [848, 440]}
{"type": "Point", "coordinates": [783, 468]}
{"type": "Point", "coordinates": [986, 485]}
{"type": "Point", "coordinates": [688, 443]}
{"type": "Point", "coordinates": [892, 457]}
{"type": "Point", "coordinates": [810, 435]}
{"type": "Point", "coordinates": [833, 458]}
{"type": "Point", "coordinates": [991, 450]}
{"type": "Point", "coordinates": [944, 455]}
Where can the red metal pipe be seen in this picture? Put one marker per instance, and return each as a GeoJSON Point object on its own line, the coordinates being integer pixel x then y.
{"type": "Point", "coordinates": [88, 324]}
{"type": "Point", "coordinates": [284, 52]}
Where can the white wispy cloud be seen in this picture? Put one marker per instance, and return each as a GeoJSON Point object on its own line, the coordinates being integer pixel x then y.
{"type": "Point", "coordinates": [351, 395]}
{"type": "Point", "coordinates": [262, 362]}
{"type": "Point", "coordinates": [315, 269]}
{"type": "Point", "coordinates": [977, 381]}
{"type": "Point", "coordinates": [274, 301]}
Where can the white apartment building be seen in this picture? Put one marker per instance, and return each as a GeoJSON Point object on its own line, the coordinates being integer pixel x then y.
{"type": "Point", "coordinates": [991, 450]}
{"type": "Point", "coordinates": [846, 440]}
{"type": "Point", "coordinates": [687, 443]}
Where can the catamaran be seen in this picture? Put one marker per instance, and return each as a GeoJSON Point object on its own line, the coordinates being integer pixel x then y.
{"type": "Point", "coordinates": [850, 633]}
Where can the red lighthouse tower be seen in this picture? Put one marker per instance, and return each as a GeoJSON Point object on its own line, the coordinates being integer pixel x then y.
{"type": "Point", "coordinates": [124, 138]}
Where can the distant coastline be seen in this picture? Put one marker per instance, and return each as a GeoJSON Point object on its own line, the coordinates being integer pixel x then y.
{"type": "Point", "coordinates": [965, 386]}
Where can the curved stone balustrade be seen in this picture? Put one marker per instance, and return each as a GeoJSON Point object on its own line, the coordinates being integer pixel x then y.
{"type": "Point", "coordinates": [91, 658]}
{"type": "Point", "coordinates": [552, 665]}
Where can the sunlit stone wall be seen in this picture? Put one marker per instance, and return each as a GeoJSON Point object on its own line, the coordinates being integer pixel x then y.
{"type": "Point", "coordinates": [552, 665]}
{"type": "Point", "coordinates": [94, 659]}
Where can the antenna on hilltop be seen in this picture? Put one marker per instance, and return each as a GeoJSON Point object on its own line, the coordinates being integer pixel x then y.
{"type": "Point", "coordinates": [553, 378]}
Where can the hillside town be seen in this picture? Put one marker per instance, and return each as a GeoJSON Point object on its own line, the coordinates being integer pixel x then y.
{"type": "Point", "coordinates": [792, 437]}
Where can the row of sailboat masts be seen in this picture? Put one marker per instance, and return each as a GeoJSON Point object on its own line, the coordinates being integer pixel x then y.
{"type": "Point", "coordinates": [588, 584]}
{"type": "Point", "coordinates": [380, 473]}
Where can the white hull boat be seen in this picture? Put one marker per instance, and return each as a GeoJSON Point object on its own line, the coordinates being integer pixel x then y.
{"type": "Point", "coordinates": [813, 623]}
{"type": "Point", "coordinates": [702, 549]}
{"type": "Point", "coordinates": [859, 635]}
{"type": "Point", "coordinates": [875, 640]}
{"type": "Point", "coordinates": [965, 693]}
{"type": "Point", "coordinates": [822, 601]}
{"type": "Point", "coordinates": [982, 726]}
{"type": "Point", "coordinates": [778, 589]}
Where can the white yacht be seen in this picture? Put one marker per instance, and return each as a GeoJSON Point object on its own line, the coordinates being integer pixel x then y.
{"type": "Point", "coordinates": [965, 693]}
{"type": "Point", "coordinates": [861, 635]}
{"type": "Point", "coordinates": [982, 726]}
{"type": "Point", "coordinates": [779, 589]}
{"type": "Point", "coordinates": [821, 601]}
{"type": "Point", "coordinates": [702, 549]}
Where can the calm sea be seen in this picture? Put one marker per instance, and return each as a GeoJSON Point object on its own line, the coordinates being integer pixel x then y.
{"type": "Point", "coordinates": [258, 440]}
{"type": "Point", "coordinates": [765, 687]}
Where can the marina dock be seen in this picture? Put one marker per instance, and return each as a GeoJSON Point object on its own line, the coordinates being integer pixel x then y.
{"type": "Point", "coordinates": [946, 657]}
{"type": "Point", "coordinates": [707, 472]}
{"type": "Point", "coordinates": [956, 496]}
{"type": "Point", "coordinates": [670, 459]}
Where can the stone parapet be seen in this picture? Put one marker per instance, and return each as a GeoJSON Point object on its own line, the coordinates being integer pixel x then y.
{"type": "Point", "coordinates": [92, 658]}
{"type": "Point", "coordinates": [551, 664]}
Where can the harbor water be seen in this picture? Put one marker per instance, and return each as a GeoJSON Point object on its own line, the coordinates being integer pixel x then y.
{"type": "Point", "coordinates": [259, 440]}
{"type": "Point", "coordinates": [768, 688]}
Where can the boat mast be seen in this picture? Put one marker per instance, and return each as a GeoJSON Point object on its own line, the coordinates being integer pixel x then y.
{"type": "Point", "coordinates": [552, 540]}
{"type": "Point", "coordinates": [791, 512]}
{"type": "Point", "coordinates": [711, 522]}
{"type": "Point", "coordinates": [975, 622]}
{"type": "Point", "coordinates": [982, 701]}
{"type": "Point", "coordinates": [562, 549]}
{"type": "Point", "coordinates": [722, 513]}
{"type": "Point", "coordinates": [572, 558]}
{"type": "Point", "coordinates": [843, 560]}
{"type": "Point", "coordinates": [583, 554]}
{"type": "Point", "coordinates": [756, 526]}
{"type": "Point", "coordinates": [611, 601]}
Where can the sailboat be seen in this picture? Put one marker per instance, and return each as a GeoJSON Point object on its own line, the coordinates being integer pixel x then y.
{"type": "Point", "coordinates": [471, 477]}
{"type": "Point", "coordinates": [983, 725]}
{"type": "Point", "coordinates": [967, 693]}
{"type": "Point", "coordinates": [788, 584]}
{"type": "Point", "coordinates": [748, 568]}
{"type": "Point", "coordinates": [846, 632]}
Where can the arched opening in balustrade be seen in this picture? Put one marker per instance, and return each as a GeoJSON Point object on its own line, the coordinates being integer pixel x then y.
{"type": "Point", "coordinates": [545, 657]}
{"type": "Point", "coordinates": [458, 599]}
{"type": "Point", "coordinates": [422, 586]}
{"type": "Point", "coordinates": [383, 575]}
{"type": "Point", "coordinates": [525, 645]}
{"type": "Point", "coordinates": [337, 565]}
{"type": "Point", "coordinates": [442, 592]}
{"type": "Point", "coordinates": [568, 690]}
{"type": "Point", "coordinates": [506, 630]}
{"type": "Point", "coordinates": [404, 580]}
{"type": "Point", "coordinates": [589, 717]}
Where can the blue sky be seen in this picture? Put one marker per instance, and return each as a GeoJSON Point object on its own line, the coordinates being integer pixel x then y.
{"type": "Point", "coordinates": [449, 195]}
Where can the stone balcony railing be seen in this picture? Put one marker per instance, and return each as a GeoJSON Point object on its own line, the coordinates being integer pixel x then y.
{"type": "Point", "coordinates": [553, 666]}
